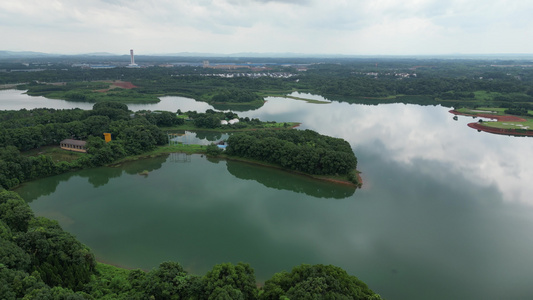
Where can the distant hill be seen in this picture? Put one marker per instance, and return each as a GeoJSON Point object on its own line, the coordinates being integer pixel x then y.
{"type": "Point", "coordinates": [23, 54]}
{"type": "Point", "coordinates": [96, 54]}
{"type": "Point", "coordinates": [275, 55]}
{"type": "Point", "coordinates": [31, 54]}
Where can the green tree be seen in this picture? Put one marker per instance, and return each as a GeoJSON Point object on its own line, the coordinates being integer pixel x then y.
{"type": "Point", "coordinates": [213, 150]}
{"type": "Point", "coordinates": [14, 211]}
{"type": "Point", "coordinates": [316, 282]}
{"type": "Point", "coordinates": [228, 280]}
{"type": "Point", "coordinates": [60, 259]}
{"type": "Point", "coordinates": [97, 125]}
{"type": "Point", "coordinates": [300, 150]}
{"type": "Point", "coordinates": [12, 256]}
{"type": "Point", "coordinates": [170, 281]}
{"type": "Point", "coordinates": [113, 110]}
{"type": "Point", "coordinates": [16, 284]}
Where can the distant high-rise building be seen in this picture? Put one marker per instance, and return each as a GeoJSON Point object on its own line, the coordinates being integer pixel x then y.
{"type": "Point", "coordinates": [132, 62]}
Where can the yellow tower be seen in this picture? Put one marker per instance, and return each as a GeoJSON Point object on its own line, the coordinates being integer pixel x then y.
{"type": "Point", "coordinates": [107, 137]}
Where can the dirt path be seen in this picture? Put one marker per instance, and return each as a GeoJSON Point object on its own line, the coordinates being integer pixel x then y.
{"type": "Point", "coordinates": [124, 84]}
{"type": "Point", "coordinates": [498, 118]}
{"type": "Point", "coordinates": [118, 84]}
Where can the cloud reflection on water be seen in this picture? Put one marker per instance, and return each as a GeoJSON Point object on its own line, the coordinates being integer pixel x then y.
{"type": "Point", "coordinates": [409, 133]}
{"type": "Point", "coordinates": [406, 134]}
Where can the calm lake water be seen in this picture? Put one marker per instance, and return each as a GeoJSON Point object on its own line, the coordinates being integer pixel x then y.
{"type": "Point", "coordinates": [445, 212]}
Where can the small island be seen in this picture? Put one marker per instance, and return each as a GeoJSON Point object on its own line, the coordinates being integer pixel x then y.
{"type": "Point", "coordinates": [513, 122]}
{"type": "Point", "coordinates": [302, 151]}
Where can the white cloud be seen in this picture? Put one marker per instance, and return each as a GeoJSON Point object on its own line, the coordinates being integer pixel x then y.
{"type": "Point", "coordinates": [308, 26]}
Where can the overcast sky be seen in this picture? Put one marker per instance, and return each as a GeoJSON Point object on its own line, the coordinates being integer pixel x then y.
{"type": "Point", "coordinates": [353, 27]}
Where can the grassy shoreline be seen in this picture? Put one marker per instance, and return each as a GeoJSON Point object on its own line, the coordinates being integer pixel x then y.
{"type": "Point", "coordinates": [226, 129]}
{"type": "Point", "coordinates": [504, 121]}
{"type": "Point", "coordinates": [505, 124]}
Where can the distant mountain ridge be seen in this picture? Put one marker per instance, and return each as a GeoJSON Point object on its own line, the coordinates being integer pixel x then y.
{"type": "Point", "coordinates": [32, 54]}
{"type": "Point", "coordinates": [21, 54]}
{"type": "Point", "coordinates": [4, 54]}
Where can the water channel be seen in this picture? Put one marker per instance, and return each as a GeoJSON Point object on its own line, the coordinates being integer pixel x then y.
{"type": "Point", "coordinates": [445, 212]}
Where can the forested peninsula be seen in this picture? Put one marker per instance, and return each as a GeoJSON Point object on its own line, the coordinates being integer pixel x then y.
{"type": "Point", "coordinates": [39, 260]}
{"type": "Point", "coordinates": [23, 133]}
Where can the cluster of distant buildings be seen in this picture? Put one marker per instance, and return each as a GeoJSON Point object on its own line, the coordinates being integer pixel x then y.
{"type": "Point", "coordinates": [251, 66]}
{"type": "Point", "coordinates": [253, 75]}
{"type": "Point", "coordinates": [402, 75]}
{"type": "Point", "coordinates": [512, 66]}
{"type": "Point", "coordinates": [89, 66]}
{"type": "Point", "coordinates": [399, 75]}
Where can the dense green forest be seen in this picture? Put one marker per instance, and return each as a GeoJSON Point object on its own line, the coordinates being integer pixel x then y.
{"type": "Point", "coordinates": [299, 150]}
{"type": "Point", "coordinates": [132, 134]}
{"type": "Point", "coordinates": [30, 129]}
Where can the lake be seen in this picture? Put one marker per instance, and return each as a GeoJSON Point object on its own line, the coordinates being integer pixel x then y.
{"type": "Point", "coordinates": [445, 212]}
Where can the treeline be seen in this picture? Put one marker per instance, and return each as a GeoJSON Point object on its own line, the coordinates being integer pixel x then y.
{"type": "Point", "coordinates": [82, 91]}
{"type": "Point", "coordinates": [38, 260]}
{"type": "Point", "coordinates": [300, 150]}
{"type": "Point", "coordinates": [445, 82]}
{"type": "Point", "coordinates": [29, 129]}
{"type": "Point", "coordinates": [442, 88]}
{"type": "Point", "coordinates": [518, 111]}
{"type": "Point", "coordinates": [212, 119]}
{"type": "Point", "coordinates": [203, 88]}
{"type": "Point", "coordinates": [235, 96]}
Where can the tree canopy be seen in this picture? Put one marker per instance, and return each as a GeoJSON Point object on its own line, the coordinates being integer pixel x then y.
{"type": "Point", "coordinates": [300, 150]}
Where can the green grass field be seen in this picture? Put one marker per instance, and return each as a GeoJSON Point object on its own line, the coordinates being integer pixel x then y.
{"type": "Point", "coordinates": [485, 95]}
{"type": "Point", "coordinates": [528, 125]}
{"type": "Point", "coordinates": [482, 110]}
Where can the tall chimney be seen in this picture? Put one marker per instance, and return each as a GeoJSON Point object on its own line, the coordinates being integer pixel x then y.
{"type": "Point", "coordinates": [132, 59]}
